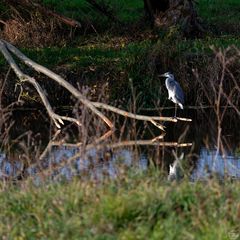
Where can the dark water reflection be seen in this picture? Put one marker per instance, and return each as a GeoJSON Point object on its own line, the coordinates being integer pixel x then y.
{"type": "Point", "coordinates": [204, 158]}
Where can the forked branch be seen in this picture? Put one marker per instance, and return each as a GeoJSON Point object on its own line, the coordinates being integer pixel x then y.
{"type": "Point", "coordinates": [57, 119]}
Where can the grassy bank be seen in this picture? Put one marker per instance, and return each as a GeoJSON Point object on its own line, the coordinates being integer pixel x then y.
{"type": "Point", "coordinates": [221, 15]}
{"type": "Point", "coordinates": [135, 206]}
{"type": "Point", "coordinates": [97, 64]}
{"type": "Point", "coordinates": [113, 54]}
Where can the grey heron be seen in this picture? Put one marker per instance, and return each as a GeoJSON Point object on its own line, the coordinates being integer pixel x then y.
{"type": "Point", "coordinates": [175, 92]}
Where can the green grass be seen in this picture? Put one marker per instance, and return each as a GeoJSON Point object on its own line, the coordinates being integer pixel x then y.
{"type": "Point", "coordinates": [223, 14]}
{"type": "Point", "coordinates": [136, 206]}
{"type": "Point", "coordinates": [219, 10]}
{"type": "Point", "coordinates": [125, 11]}
{"type": "Point", "coordinates": [87, 55]}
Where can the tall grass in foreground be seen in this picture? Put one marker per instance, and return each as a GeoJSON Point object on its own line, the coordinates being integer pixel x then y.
{"type": "Point", "coordinates": [135, 206]}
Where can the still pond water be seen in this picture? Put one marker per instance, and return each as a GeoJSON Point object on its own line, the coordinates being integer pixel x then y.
{"type": "Point", "coordinates": [200, 161]}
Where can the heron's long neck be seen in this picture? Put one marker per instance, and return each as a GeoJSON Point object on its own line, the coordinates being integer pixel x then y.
{"type": "Point", "coordinates": [168, 80]}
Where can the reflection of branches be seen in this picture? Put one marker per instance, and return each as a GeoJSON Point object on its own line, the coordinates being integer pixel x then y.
{"type": "Point", "coordinates": [49, 146]}
{"type": "Point", "coordinates": [98, 145]}
{"type": "Point", "coordinates": [5, 47]}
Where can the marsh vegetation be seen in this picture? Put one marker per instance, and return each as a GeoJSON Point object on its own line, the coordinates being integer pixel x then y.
{"type": "Point", "coordinates": [92, 180]}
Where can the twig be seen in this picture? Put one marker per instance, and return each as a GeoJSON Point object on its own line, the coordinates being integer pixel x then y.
{"type": "Point", "coordinates": [49, 146]}
{"type": "Point", "coordinates": [77, 145]}
{"type": "Point", "coordinates": [3, 22]}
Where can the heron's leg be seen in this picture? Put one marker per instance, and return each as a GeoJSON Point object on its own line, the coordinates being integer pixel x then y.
{"type": "Point", "coordinates": [175, 115]}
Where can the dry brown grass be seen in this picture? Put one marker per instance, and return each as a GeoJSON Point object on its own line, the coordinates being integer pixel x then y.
{"type": "Point", "coordinates": [35, 31]}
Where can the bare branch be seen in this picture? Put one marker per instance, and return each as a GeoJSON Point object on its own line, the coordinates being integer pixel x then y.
{"type": "Point", "coordinates": [151, 119]}
{"type": "Point", "coordinates": [57, 119]}
{"type": "Point", "coordinates": [59, 80]}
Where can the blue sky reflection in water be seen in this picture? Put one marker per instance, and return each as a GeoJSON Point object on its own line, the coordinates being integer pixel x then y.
{"type": "Point", "coordinates": [211, 162]}
{"type": "Point", "coordinates": [92, 166]}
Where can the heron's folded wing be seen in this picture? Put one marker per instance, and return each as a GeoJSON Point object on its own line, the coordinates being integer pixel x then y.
{"type": "Point", "coordinates": [179, 93]}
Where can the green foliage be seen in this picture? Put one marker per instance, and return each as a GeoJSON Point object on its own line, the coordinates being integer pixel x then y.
{"type": "Point", "coordinates": [136, 206]}
{"type": "Point", "coordinates": [125, 11]}
{"type": "Point", "coordinates": [3, 8]}
{"type": "Point", "coordinates": [223, 15]}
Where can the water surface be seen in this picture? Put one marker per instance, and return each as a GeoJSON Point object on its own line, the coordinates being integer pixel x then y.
{"type": "Point", "coordinates": [201, 161]}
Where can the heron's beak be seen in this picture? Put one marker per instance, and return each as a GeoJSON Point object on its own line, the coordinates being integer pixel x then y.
{"type": "Point", "coordinates": [162, 75]}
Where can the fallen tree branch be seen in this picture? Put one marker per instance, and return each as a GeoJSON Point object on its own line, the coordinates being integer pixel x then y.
{"type": "Point", "coordinates": [59, 80]}
{"type": "Point", "coordinates": [139, 117]}
{"type": "Point", "coordinates": [68, 21]}
{"type": "Point", "coordinates": [58, 120]}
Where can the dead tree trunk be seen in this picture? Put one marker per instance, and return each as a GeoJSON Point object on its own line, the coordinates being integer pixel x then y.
{"type": "Point", "coordinates": [154, 7]}
{"type": "Point", "coordinates": [167, 13]}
